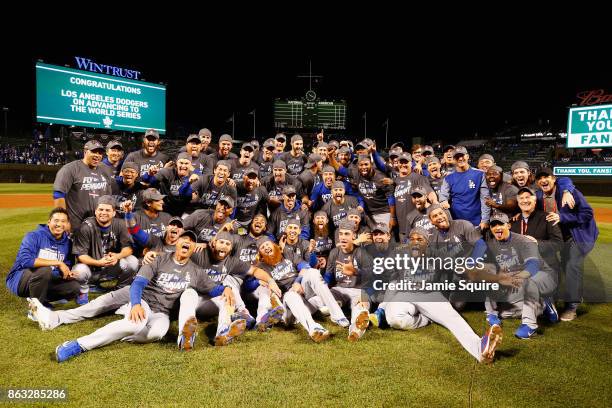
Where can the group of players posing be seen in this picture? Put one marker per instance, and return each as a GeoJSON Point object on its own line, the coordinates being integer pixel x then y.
{"type": "Point", "coordinates": [296, 234]}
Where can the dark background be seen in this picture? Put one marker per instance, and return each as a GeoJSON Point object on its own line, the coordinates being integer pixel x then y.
{"type": "Point", "coordinates": [458, 86]}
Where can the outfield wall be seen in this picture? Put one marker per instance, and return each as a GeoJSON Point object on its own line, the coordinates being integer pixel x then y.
{"type": "Point", "coordinates": [25, 173]}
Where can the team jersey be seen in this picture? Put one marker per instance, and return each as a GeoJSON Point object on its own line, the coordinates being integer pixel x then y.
{"type": "Point", "coordinates": [145, 162]}
{"type": "Point", "coordinates": [81, 187]}
{"type": "Point", "coordinates": [466, 192]}
{"type": "Point", "coordinates": [359, 258]}
{"type": "Point", "coordinates": [96, 241]}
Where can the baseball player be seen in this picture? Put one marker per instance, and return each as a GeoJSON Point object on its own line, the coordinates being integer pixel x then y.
{"type": "Point", "coordinates": [175, 183]}
{"type": "Point", "coordinates": [322, 192]}
{"type": "Point", "coordinates": [405, 311]}
{"type": "Point", "coordinates": [243, 163]}
{"type": "Point", "coordinates": [295, 158]}
{"type": "Point", "coordinates": [347, 269]}
{"type": "Point", "coordinates": [252, 198]}
{"type": "Point", "coordinates": [377, 194]}
{"type": "Point", "coordinates": [151, 218]}
{"type": "Point", "coordinates": [206, 137]}
{"type": "Point", "coordinates": [338, 206]}
{"type": "Point", "coordinates": [519, 254]}
{"type": "Point", "coordinates": [152, 296]}
{"type": "Point", "coordinates": [417, 217]}
{"type": "Point", "coordinates": [266, 159]}
{"type": "Point", "coordinates": [209, 188]}
{"type": "Point", "coordinates": [42, 266]}
{"type": "Point", "coordinates": [223, 153]}
{"type": "Point", "coordinates": [311, 175]}
{"type": "Point", "coordinates": [578, 228]}
{"type": "Point", "coordinates": [149, 156]}
{"type": "Point", "coordinates": [275, 184]}
{"type": "Point", "coordinates": [502, 196]}
{"type": "Point", "coordinates": [207, 223]}
{"type": "Point", "coordinates": [231, 271]}
{"type": "Point", "coordinates": [193, 148]}
{"type": "Point", "coordinates": [114, 157]}
{"type": "Point", "coordinates": [290, 208]}
{"type": "Point", "coordinates": [127, 187]}
{"type": "Point", "coordinates": [298, 283]}
{"type": "Point", "coordinates": [78, 184]}
{"type": "Point", "coordinates": [435, 174]}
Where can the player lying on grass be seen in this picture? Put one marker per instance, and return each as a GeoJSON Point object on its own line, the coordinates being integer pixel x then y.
{"type": "Point", "coordinates": [152, 295]}
{"type": "Point", "coordinates": [412, 310]}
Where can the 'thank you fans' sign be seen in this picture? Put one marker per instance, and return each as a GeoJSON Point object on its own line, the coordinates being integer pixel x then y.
{"type": "Point", "coordinates": [590, 127]}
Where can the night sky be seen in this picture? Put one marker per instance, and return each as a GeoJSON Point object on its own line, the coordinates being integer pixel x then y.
{"type": "Point", "coordinates": [450, 89]}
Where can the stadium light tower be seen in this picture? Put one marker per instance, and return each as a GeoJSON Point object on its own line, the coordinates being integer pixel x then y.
{"type": "Point", "coordinates": [5, 110]}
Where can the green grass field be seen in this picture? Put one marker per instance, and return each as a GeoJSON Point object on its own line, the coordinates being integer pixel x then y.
{"type": "Point", "coordinates": [567, 365]}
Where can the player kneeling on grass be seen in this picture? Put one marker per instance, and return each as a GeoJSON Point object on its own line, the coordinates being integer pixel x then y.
{"type": "Point", "coordinates": [518, 254]}
{"type": "Point", "coordinates": [152, 295]}
{"type": "Point", "coordinates": [412, 310]}
{"type": "Point", "coordinates": [346, 270]}
{"type": "Point", "coordinates": [298, 284]}
{"type": "Point", "coordinates": [42, 266]}
{"type": "Point", "coordinates": [220, 267]}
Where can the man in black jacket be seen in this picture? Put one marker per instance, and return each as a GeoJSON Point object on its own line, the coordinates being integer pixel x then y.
{"type": "Point", "coordinates": [533, 222]}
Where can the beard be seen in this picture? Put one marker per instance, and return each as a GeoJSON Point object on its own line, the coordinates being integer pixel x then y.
{"type": "Point", "coordinates": [272, 259]}
{"type": "Point", "coordinates": [320, 233]}
{"type": "Point", "coordinates": [381, 246]}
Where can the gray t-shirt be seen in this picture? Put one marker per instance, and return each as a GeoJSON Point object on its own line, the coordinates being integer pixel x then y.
{"type": "Point", "coordinates": [403, 199]}
{"type": "Point", "coordinates": [210, 193]}
{"type": "Point", "coordinates": [96, 241]}
{"type": "Point", "coordinates": [361, 260]}
{"type": "Point", "coordinates": [168, 279]}
{"type": "Point", "coordinates": [202, 223]}
{"type": "Point", "coordinates": [418, 219]}
{"type": "Point", "coordinates": [82, 187]}
{"type": "Point", "coordinates": [145, 162]}
{"type": "Point", "coordinates": [295, 165]}
{"type": "Point", "coordinates": [155, 226]}
{"type": "Point", "coordinates": [337, 212]}
{"type": "Point", "coordinates": [457, 241]}
{"type": "Point", "coordinates": [250, 202]}
{"type": "Point", "coordinates": [237, 171]}
{"type": "Point", "coordinates": [512, 254]}
{"type": "Point", "coordinates": [219, 270]}
{"type": "Point", "coordinates": [284, 273]}
{"type": "Point", "coordinates": [503, 192]}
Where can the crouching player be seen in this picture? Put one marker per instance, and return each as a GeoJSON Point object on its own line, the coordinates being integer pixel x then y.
{"type": "Point", "coordinates": [518, 254]}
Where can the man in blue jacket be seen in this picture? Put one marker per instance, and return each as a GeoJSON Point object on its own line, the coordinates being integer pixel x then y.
{"type": "Point", "coordinates": [579, 234]}
{"type": "Point", "coordinates": [42, 268]}
{"type": "Point", "coordinates": [465, 191]}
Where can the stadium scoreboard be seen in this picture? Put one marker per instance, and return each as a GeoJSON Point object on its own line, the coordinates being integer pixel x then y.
{"type": "Point", "coordinates": [81, 98]}
{"type": "Point", "coordinates": [307, 114]}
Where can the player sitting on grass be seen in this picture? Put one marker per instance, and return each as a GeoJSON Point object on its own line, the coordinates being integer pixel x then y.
{"type": "Point", "coordinates": [299, 283]}
{"type": "Point", "coordinates": [231, 271]}
{"type": "Point", "coordinates": [152, 295]}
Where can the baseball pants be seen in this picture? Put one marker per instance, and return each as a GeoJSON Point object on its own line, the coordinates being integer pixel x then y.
{"type": "Point", "coordinates": [527, 301]}
{"type": "Point", "coordinates": [191, 304]}
{"type": "Point", "coordinates": [124, 270]}
{"type": "Point", "coordinates": [412, 315]}
{"type": "Point", "coordinates": [102, 304]}
{"type": "Point", "coordinates": [295, 307]}
{"type": "Point", "coordinates": [153, 328]}
{"type": "Point", "coordinates": [353, 297]}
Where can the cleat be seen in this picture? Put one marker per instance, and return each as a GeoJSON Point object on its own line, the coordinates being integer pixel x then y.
{"type": "Point", "coordinates": [67, 350]}
{"type": "Point", "coordinates": [31, 316]}
{"type": "Point", "coordinates": [568, 315]}
{"type": "Point", "coordinates": [378, 318]}
{"type": "Point", "coordinates": [82, 299]}
{"type": "Point", "coordinates": [40, 314]}
{"type": "Point", "coordinates": [344, 322]}
{"type": "Point", "coordinates": [550, 311]}
{"type": "Point", "coordinates": [493, 319]}
{"type": "Point", "coordinates": [235, 329]}
{"type": "Point", "coordinates": [363, 320]}
{"type": "Point", "coordinates": [319, 334]}
{"type": "Point", "coordinates": [250, 320]}
{"type": "Point", "coordinates": [489, 343]}
{"type": "Point", "coordinates": [186, 341]}
{"type": "Point", "coordinates": [272, 317]}
{"type": "Point", "coordinates": [524, 332]}
{"type": "Point", "coordinates": [324, 310]}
